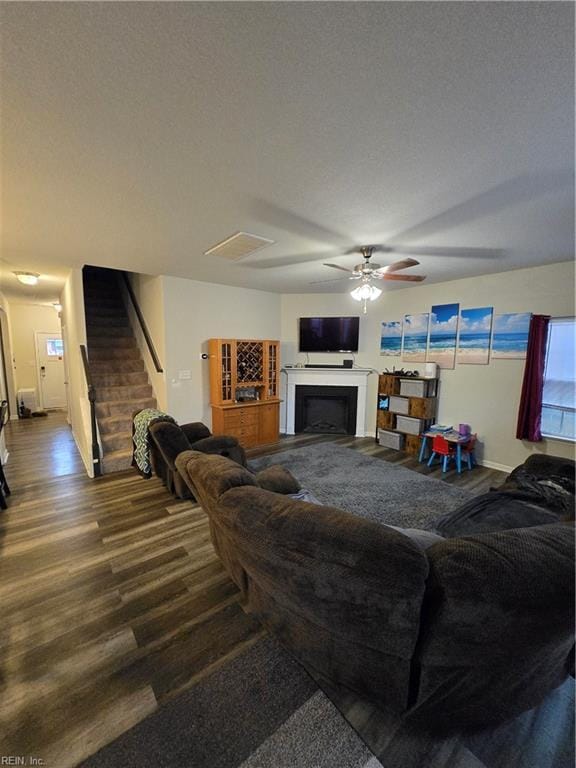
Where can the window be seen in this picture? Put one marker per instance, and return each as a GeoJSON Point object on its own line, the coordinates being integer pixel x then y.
{"type": "Point", "coordinates": [558, 400]}
{"type": "Point", "coordinates": [54, 347]}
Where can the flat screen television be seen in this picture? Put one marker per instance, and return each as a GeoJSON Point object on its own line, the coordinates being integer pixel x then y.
{"type": "Point", "coordinates": [329, 334]}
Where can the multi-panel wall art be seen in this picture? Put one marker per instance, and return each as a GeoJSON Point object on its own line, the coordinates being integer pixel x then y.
{"type": "Point", "coordinates": [474, 336]}
{"type": "Point", "coordinates": [443, 330]}
{"type": "Point", "coordinates": [391, 338]}
{"type": "Point", "coordinates": [447, 334]}
{"type": "Point", "coordinates": [510, 339]}
{"type": "Point", "coordinates": [415, 337]}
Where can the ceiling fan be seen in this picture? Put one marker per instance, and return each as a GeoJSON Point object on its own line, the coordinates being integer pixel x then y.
{"type": "Point", "coordinates": [370, 270]}
{"type": "Point", "coordinates": [367, 271]}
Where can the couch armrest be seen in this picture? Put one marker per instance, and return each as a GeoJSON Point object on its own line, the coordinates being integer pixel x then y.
{"type": "Point", "coordinates": [499, 624]}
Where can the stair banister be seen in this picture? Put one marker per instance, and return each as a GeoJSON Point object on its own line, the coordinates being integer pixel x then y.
{"type": "Point", "coordinates": [142, 322]}
{"type": "Point", "coordinates": [96, 461]}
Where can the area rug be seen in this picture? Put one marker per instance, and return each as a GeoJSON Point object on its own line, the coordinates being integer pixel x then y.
{"type": "Point", "coordinates": [261, 710]}
{"type": "Point", "coordinates": [368, 487]}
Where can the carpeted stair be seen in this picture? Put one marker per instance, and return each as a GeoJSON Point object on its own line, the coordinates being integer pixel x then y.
{"type": "Point", "coordinates": [117, 368]}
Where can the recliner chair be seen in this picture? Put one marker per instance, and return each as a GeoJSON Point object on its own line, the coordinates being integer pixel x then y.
{"type": "Point", "coordinates": [168, 440]}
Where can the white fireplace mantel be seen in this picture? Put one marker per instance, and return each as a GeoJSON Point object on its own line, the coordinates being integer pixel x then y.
{"type": "Point", "coordinates": [327, 377]}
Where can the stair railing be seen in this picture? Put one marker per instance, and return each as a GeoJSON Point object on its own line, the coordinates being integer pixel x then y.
{"type": "Point", "coordinates": [96, 461]}
{"type": "Point", "coordinates": [143, 326]}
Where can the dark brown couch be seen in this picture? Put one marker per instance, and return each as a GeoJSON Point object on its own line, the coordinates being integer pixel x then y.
{"type": "Point", "coordinates": [470, 632]}
{"type": "Point", "coordinates": [167, 440]}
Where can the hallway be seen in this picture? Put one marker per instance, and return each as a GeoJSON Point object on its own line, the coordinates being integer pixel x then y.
{"type": "Point", "coordinates": [41, 449]}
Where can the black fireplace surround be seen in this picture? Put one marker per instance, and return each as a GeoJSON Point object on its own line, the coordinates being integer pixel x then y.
{"type": "Point", "coordinates": [325, 410]}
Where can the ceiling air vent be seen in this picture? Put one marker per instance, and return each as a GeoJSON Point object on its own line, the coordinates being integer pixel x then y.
{"type": "Point", "coordinates": [238, 246]}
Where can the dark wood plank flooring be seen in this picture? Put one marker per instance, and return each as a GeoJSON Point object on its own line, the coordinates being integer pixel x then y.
{"type": "Point", "coordinates": [112, 598]}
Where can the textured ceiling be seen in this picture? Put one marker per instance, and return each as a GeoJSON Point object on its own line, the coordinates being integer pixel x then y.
{"type": "Point", "coordinates": [138, 135]}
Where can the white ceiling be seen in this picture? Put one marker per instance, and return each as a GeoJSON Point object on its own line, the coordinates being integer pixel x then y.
{"type": "Point", "coordinates": [137, 135]}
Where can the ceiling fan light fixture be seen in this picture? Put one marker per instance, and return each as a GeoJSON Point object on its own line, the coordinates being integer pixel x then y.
{"type": "Point", "coordinates": [27, 278]}
{"type": "Point", "coordinates": [366, 292]}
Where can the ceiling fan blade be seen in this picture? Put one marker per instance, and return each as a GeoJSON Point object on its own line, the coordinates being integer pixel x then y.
{"type": "Point", "coordinates": [335, 280]}
{"type": "Point", "coordinates": [408, 278]}
{"type": "Point", "coordinates": [337, 266]}
{"type": "Point", "coordinates": [286, 261]}
{"type": "Point", "coordinates": [398, 265]}
{"type": "Point", "coordinates": [470, 253]}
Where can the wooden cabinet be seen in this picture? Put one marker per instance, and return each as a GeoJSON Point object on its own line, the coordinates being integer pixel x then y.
{"type": "Point", "coordinates": [244, 389]}
{"type": "Point", "coordinates": [406, 407]}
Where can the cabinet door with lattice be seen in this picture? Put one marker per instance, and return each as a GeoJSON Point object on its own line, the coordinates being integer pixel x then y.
{"type": "Point", "coordinates": [222, 370]}
{"type": "Point", "coordinates": [272, 366]}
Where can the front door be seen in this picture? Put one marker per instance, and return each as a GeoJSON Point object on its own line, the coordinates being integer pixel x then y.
{"type": "Point", "coordinates": [50, 360]}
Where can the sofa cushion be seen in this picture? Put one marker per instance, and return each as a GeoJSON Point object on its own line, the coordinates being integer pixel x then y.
{"type": "Point", "coordinates": [195, 430]}
{"type": "Point", "coordinates": [223, 445]}
{"type": "Point", "coordinates": [277, 479]}
{"type": "Point", "coordinates": [499, 623]}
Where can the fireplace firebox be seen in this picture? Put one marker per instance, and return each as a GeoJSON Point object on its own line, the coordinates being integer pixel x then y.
{"type": "Point", "coordinates": [325, 410]}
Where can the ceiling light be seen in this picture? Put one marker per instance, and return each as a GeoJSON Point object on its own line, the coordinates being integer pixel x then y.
{"type": "Point", "coordinates": [365, 292]}
{"type": "Point", "coordinates": [27, 278]}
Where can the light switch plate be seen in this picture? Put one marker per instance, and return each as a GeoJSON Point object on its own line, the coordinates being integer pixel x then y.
{"type": "Point", "coordinates": [182, 375]}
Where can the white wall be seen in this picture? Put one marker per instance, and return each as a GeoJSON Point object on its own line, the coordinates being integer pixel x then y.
{"type": "Point", "coordinates": [74, 326]}
{"type": "Point", "coordinates": [25, 320]}
{"type": "Point", "coordinates": [149, 292]}
{"type": "Point", "coordinates": [9, 360]}
{"type": "Point", "coordinates": [9, 391]}
{"type": "Point", "coordinates": [485, 396]}
{"type": "Point", "coordinates": [196, 312]}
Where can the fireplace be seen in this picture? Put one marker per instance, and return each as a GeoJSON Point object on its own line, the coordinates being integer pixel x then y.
{"type": "Point", "coordinates": [326, 410]}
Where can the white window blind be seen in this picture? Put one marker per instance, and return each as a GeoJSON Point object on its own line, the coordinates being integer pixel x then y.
{"type": "Point", "coordinates": [558, 400]}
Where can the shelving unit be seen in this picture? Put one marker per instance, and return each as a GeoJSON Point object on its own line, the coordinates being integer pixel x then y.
{"type": "Point", "coordinates": [244, 388]}
{"type": "Point", "coordinates": [411, 409]}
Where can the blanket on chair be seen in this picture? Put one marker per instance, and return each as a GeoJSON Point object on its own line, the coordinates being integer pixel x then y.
{"type": "Point", "coordinates": [140, 438]}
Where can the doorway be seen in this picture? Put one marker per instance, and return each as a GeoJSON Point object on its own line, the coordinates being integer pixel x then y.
{"type": "Point", "coordinates": [50, 367]}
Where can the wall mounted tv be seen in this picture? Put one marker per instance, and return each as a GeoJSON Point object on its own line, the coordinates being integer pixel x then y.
{"type": "Point", "coordinates": [329, 334]}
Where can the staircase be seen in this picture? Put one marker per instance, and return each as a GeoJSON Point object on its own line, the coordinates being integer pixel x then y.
{"type": "Point", "coordinates": [116, 365]}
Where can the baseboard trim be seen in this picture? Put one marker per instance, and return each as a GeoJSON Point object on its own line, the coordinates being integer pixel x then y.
{"type": "Point", "coordinates": [495, 465]}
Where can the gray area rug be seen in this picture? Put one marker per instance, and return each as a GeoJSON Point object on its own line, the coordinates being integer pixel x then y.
{"type": "Point", "coordinates": [368, 487]}
{"type": "Point", "coordinates": [263, 710]}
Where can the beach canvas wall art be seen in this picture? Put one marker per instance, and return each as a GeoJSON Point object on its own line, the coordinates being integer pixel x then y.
{"type": "Point", "coordinates": [391, 337]}
{"type": "Point", "coordinates": [443, 329]}
{"type": "Point", "coordinates": [415, 337]}
{"type": "Point", "coordinates": [510, 337]}
{"type": "Point", "coordinates": [474, 336]}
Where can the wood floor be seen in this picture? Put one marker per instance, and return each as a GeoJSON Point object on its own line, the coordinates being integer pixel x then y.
{"type": "Point", "coordinates": [112, 599]}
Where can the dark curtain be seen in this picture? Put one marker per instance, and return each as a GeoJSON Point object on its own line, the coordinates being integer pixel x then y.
{"type": "Point", "coordinates": [530, 412]}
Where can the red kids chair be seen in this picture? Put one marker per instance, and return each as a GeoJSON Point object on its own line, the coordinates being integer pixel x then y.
{"type": "Point", "coordinates": [467, 451]}
{"type": "Point", "coordinates": [443, 448]}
